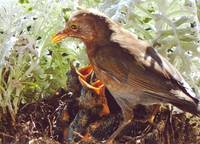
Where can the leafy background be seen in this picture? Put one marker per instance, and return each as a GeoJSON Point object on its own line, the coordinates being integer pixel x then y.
{"type": "Point", "coordinates": [31, 67]}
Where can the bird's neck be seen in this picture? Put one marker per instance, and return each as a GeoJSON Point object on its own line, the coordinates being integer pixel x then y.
{"type": "Point", "coordinates": [90, 48]}
{"type": "Point", "coordinates": [102, 39]}
{"type": "Point", "coordinates": [93, 47]}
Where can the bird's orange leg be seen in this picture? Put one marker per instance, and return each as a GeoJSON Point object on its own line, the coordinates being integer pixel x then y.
{"type": "Point", "coordinates": [85, 72]}
{"type": "Point", "coordinates": [99, 88]}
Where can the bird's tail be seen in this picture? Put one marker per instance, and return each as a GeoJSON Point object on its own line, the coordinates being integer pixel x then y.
{"type": "Point", "coordinates": [184, 102]}
{"type": "Point", "coordinates": [188, 106]}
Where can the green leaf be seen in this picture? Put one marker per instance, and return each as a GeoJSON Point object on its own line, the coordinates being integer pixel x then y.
{"type": "Point", "coordinates": [30, 9]}
{"type": "Point", "coordinates": [23, 1]}
{"type": "Point", "coordinates": [66, 13]}
{"type": "Point", "coordinates": [147, 19]}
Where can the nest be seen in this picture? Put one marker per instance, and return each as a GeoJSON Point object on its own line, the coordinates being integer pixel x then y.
{"type": "Point", "coordinates": [72, 116]}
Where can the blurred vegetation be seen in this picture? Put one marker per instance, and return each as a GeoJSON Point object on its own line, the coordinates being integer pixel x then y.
{"type": "Point", "coordinates": [31, 67]}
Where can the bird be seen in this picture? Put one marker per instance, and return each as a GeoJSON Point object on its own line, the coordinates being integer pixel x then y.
{"type": "Point", "coordinates": [130, 68]}
{"type": "Point", "coordinates": [85, 77]}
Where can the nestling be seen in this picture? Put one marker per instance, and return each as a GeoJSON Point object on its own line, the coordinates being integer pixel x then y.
{"type": "Point", "coordinates": [130, 68]}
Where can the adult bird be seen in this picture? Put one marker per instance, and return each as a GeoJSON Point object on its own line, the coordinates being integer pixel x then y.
{"type": "Point", "coordinates": [130, 68]}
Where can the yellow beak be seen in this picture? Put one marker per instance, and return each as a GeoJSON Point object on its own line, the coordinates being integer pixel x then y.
{"type": "Point", "coordinates": [59, 36]}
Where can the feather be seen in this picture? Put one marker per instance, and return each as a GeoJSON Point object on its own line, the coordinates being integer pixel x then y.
{"type": "Point", "coordinates": [129, 67]}
{"type": "Point", "coordinates": [147, 57]}
{"type": "Point", "coordinates": [136, 64]}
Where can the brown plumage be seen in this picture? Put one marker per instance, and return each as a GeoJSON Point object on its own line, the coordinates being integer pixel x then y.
{"type": "Point", "coordinates": [130, 68]}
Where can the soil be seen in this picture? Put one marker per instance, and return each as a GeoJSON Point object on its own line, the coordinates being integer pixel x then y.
{"type": "Point", "coordinates": [72, 116]}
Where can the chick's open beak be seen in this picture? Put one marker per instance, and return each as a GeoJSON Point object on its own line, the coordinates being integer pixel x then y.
{"type": "Point", "coordinates": [59, 36]}
{"type": "Point", "coordinates": [85, 72]}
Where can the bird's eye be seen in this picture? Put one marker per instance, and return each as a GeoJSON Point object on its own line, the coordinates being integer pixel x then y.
{"type": "Point", "coordinates": [74, 27]}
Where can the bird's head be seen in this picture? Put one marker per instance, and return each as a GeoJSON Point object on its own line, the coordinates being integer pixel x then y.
{"type": "Point", "coordinates": [86, 25]}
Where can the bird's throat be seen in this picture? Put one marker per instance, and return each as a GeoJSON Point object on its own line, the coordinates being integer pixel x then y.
{"type": "Point", "coordinates": [90, 49]}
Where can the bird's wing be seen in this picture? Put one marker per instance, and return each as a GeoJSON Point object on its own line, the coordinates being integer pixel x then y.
{"type": "Point", "coordinates": [133, 62]}
{"type": "Point", "coordinates": [150, 60]}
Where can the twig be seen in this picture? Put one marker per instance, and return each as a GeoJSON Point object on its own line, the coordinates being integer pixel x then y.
{"type": "Point", "coordinates": [7, 135]}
